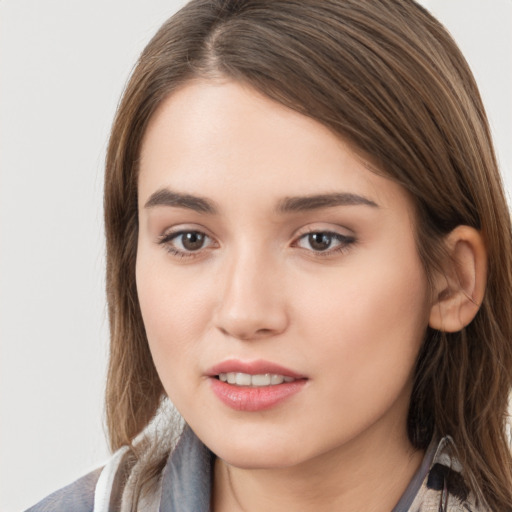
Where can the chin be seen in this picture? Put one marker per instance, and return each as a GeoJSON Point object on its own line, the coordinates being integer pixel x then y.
{"type": "Point", "coordinates": [258, 459]}
{"type": "Point", "coordinates": [251, 452]}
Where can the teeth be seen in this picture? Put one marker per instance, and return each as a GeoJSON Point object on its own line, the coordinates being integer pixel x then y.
{"type": "Point", "coordinates": [257, 381]}
{"type": "Point", "coordinates": [243, 379]}
{"type": "Point", "coordinates": [266, 380]}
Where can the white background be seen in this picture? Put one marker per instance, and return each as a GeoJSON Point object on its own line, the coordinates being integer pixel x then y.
{"type": "Point", "coordinates": [63, 65]}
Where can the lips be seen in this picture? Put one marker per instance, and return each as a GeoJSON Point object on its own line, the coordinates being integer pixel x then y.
{"type": "Point", "coordinates": [258, 380]}
{"type": "Point", "coordinates": [259, 367]}
{"type": "Point", "coordinates": [253, 386]}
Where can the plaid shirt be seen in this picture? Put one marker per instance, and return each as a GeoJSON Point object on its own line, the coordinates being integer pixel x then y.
{"type": "Point", "coordinates": [438, 485]}
{"type": "Point", "coordinates": [185, 486]}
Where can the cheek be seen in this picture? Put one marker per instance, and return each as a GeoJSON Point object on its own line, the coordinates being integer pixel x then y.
{"type": "Point", "coordinates": [369, 321]}
{"type": "Point", "coordinates": [367, 334]}
{"type": "Point", "coordinates": [174, 312]}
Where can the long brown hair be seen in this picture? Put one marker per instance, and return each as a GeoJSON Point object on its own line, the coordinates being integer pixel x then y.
{"type": "Point", "coordinates": [388, 78]}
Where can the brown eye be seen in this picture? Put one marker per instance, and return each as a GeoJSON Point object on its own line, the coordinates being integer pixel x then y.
{"type": "Point", "coordinates": [328, 242]}
{"type": "Point", "coordinates": [320, 241]}
{"type": "Point", "coordinates": [192, 240]}
{"type": "Point", "coordinates": [186, 243]}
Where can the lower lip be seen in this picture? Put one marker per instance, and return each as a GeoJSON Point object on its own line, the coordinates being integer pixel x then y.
{"type": "Point", "coordinates": [251, 399]}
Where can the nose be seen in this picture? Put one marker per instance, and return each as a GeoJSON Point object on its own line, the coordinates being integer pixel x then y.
{"type": "Point", "coordinates": [252, 299]}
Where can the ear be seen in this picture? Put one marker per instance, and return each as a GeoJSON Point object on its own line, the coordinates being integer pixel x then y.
{"type": "Point", "coordinates": [459, 290]}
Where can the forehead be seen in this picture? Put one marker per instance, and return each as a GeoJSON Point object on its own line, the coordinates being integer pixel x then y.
{"type": "Point", "coordinates": [221, 139]}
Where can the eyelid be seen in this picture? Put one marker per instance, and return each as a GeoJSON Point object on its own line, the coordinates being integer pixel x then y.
{"type": "Point", "coordinates": [319, 227]}
{"type": "Point", "coordinates": [177, 229]}
{"type": "Point", "coordinates": [346, 240]}
{"type": "Point", "coordinates": [170, 234]}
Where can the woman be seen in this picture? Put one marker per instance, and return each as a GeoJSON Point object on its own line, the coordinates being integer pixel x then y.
{"type": "Point", "coordinates": [308, 252]}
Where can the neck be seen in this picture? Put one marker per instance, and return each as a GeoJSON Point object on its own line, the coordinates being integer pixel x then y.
{"type": "Point", "coordinates": [370, 473]}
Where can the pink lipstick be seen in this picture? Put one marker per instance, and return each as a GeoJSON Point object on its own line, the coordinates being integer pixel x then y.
{"type": "Point", "coordinates": [253, 386]}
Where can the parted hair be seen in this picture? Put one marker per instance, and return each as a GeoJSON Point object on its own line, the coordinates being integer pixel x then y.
{"type": "Point", "coordinates": [388, 78]}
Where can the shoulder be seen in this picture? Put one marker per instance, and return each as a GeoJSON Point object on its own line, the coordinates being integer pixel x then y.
{"type": "Point", "coordinates": [91, 493]}
{"type": "Point", "coordinates": [445, 488]}
{"type": "Point", "coordinates": [183, 481]}
{"type": "Point", "coordinates": [78, 496]}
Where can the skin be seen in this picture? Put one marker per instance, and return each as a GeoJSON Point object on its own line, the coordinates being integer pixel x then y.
{"type": "Point", "coordinates": [350, 319]}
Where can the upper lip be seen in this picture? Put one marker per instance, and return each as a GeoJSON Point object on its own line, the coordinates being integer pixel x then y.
{"type": "Point", "coordinates": [258, 367]}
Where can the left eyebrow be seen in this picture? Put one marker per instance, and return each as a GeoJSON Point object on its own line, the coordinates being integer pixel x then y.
{"type": "Point", "coordinates": [315, 202]}
{"type": "Point", "coordinates": [166, 197]}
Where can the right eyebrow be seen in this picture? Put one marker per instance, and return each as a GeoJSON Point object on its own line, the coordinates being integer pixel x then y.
{"type": "Point", "coordinates": [316, 202]}
{"type": "Point", "coordinates": [166, 197]}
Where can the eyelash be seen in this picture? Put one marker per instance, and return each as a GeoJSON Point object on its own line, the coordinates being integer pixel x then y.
{"type": "Point", "coordinates": [167, 239]}
{"type": "Point", "coordinates": [344, 242]}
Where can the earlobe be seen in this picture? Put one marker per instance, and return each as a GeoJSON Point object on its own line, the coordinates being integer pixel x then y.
{"type": "Point", "coordinates": [460, 289]}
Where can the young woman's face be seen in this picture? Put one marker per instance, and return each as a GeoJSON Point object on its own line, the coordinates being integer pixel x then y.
{"type": "Point", "coordinates": [269, 255]}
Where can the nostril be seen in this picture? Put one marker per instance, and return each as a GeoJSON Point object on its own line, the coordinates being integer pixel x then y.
{"type": "Point", "coordinates": [237, 318]}
{"type": "Point", "coordinates": [246, 335]}
{"type": "Point", "coordinates": [223, 331]}
{"type": "Point", "coordinates": [263, 332]}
